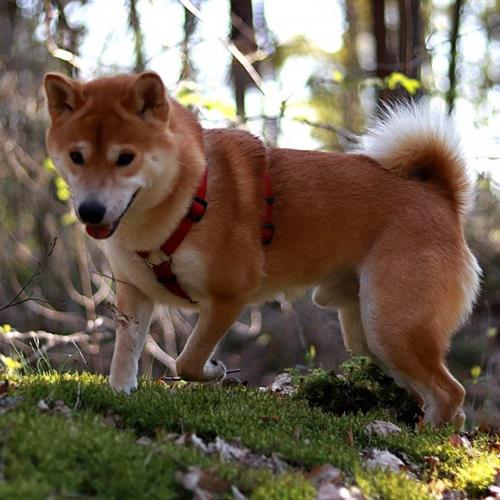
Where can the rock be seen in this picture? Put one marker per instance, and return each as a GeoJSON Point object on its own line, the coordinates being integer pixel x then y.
{"type": "Point", "coordinates": [61, 408]}
{"type": "Point", "coordinates": [42, 405]}
{"type": "Point", "coordinates": [283, 385]}
{"type": "Point", "coordinates": [382, 428]}
{"type": "Point", "coordinates": [385, 460]}
{"type": "Point", "coordinates": [144, 441]}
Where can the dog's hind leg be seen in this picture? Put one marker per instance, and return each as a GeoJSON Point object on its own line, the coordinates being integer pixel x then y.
{"type": "Point", "coordinates": [341, 291]}
{"type": "Point", "coordinates": [410, 305]}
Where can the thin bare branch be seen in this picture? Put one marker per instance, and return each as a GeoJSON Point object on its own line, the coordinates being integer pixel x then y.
{"type": "Point", "coordinates": [16, 300]}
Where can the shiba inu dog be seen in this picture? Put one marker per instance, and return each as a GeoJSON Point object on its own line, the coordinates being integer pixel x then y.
{"type": "Point", "coordinates": [214, 220]}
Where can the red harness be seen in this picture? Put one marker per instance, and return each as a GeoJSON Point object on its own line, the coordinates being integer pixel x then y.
{"type": "Point", "coordinates": [163, 271]}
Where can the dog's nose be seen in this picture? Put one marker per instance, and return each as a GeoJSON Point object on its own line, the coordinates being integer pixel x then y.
{"type": "Point", "coordinates": [91, 212]}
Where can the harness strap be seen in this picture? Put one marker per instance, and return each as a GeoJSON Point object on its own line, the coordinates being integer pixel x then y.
{"type": "Point", "coordinates": [163, 271]}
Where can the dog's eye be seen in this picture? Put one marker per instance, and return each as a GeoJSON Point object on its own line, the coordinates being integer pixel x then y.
{"type": "Point", "coordinates": [125, 159]}
{"type": "Point", "coordinates": [76, 157]}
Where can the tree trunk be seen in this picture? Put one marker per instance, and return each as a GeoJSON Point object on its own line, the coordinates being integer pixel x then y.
{"type": "Point", "coordinates": [243, 37]}
{"type": "Point", "coordinates": [135, 26]}
{"type": "Point", "coordinates": [452, 69]}
{"type": "Point", "coordinates": [406, 58]}
{"type": "Point", "coordinates": [187, 71]}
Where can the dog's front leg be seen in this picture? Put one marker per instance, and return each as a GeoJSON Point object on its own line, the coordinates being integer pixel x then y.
{"type": "Point", "coordinates": [133, 316]}
{"type": "Point", "coordinates": [194, 362]}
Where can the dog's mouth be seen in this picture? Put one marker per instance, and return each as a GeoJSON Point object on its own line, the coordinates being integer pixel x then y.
{"type": "Point", "coordinates": [103, 231]}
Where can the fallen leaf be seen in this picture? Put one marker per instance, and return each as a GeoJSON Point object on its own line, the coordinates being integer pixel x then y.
{"type": "Point", "coordinates": [227, 451]}
{"type": "Point", "coordinates": [330, 491]}
{"type": "Point", "coordinates": [191, 439]}
{"type": "Point", "coordinates": [111, 418]}
{"type": "Point", "coordinates": [237, 494]}
{"type": "Point", "coordinates": [61, 408]}
{"type": "Point", "coordinates": [269, 418]}
{"type": "Point", "coordinates": [494, 493]}
{"type": "Point", "coordinates": [144, 441]}
{"type": "Point", "coordinates": [325, 474]}
{"type": "Point", "coordinates": [432, 461]}
{"type": "Point", "coordinates": [190, 481]}
{"type": "Point", "coordinates": [350, 438]}
{"type": "Point", "coordinates": [458, 441]}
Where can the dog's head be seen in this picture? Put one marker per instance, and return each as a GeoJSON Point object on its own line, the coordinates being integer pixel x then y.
{"type": "Point", "coordinates": [111, 140]}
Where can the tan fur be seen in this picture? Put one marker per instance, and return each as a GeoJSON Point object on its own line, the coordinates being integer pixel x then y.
{"type": "Point", "coordinates": [384, 248]}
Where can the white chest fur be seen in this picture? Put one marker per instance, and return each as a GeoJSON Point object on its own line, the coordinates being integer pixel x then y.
{"type": "Point", "coordinates": [187, 264]}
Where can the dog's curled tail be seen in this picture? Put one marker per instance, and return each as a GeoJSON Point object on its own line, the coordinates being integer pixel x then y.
{"type": "Point", "coordinates": [416, 142]}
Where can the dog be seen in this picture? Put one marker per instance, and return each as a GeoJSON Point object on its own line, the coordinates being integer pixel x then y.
{"type": "Point", "coordinates": [214, 220]}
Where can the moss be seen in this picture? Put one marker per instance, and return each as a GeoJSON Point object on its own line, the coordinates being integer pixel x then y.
{"type": "Point", "coordinates": [475, 474]}
{"type": "Point", "coordinates": [262, 421]}
{"type": "Point", "coordinates": [49, 455]}
{"type": "Point", "coordinates": [46, 455]}
{"type": "Point", "coordinates": [285, 487]}
{"type": "Point", "coordinates": [391, 486]}
{"type": "Point", "coordinates": [362, 387]}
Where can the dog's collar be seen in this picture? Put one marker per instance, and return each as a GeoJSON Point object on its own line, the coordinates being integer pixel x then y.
{"type": "Point", "coordinates": [163, 271]}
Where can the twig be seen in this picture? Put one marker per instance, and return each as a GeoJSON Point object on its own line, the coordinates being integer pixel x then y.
{"type": "Point", "coordinates": [15, 301]}
{"type": "Point", "coordinates": [54, 50]}
{"type": "Point", "coordinates": [159, 354]}
{"type": "Point", "coordinates": [110, 277]}
{"type": "Point", "coordinates": [175, 378]}
{"type": "Point", "coordinates": [346, 134]}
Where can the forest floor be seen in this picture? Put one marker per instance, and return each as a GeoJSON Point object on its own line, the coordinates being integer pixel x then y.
{"type": "Point", "coordinates": [312, 436]}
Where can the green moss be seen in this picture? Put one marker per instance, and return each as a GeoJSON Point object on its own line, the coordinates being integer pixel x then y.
{"type": "Point", "coordinates": [46, 455]}
{"type": "Point", "coordinates": [391, 486]}
{"type": "Point", "coordinates": [262, 421]}
{"type": "Point", "coordinates": [362, 387]}
{"type": "Point", "coordinates": [49, 455]}
{"type": "Point", "coordinates": [285, 487]}
{"type": "Point", "coordinates": [476, 474]}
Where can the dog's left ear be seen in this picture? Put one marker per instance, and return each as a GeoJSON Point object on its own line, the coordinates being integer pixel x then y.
{"type": "Point", "coordinates": [63, 95]}
{"type": "Point", "coordinates": [149, 97]}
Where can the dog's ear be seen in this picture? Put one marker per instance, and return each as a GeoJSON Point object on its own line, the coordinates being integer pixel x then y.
{"type": "Point", "coordinates": [149, 97]}
{"type": "Point", "coordinates": [63, 94]}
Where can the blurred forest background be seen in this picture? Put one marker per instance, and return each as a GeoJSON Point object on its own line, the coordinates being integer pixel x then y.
{"type": "Point", "coordinates": [298, 74]}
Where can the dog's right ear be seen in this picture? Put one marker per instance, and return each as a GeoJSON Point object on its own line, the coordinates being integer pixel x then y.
{"type": "Point", "coordinates": [62, 93]}
{"type": "Point", "coordinates": [149, 98]}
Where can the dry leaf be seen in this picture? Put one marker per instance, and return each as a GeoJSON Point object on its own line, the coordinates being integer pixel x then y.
{"type": "Point", "coordinates": [325, 474]}
{"type": "Point", "coordinates": [332, 492]}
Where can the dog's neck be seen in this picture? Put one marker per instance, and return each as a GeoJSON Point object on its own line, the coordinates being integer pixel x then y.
{"type": "Point", "coordinates": [148, 229]}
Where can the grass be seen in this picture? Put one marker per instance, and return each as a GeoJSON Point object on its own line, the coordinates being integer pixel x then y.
{"type": "Point", "coordinates": [46, 454]}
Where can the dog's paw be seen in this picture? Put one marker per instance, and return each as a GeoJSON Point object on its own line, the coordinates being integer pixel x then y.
{"type": "Point", "coordinates": [213, 371]}
{"type": "Point", "coordinates": [123, 385]}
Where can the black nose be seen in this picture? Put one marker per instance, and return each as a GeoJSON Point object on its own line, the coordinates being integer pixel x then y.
{"type": "Point", "coordinates": [91, 212]}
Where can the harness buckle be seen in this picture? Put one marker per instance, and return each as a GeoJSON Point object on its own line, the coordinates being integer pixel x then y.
{"type": "Point", "coordinates": [152, 265]}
